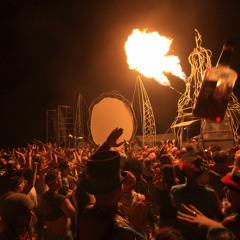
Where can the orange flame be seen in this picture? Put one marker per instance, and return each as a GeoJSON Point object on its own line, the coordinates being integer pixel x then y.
{"type": "Point", "coordinates": [147, 53]}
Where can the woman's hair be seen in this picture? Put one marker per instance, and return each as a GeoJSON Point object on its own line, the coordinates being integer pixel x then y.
{"type": "Point", "coordinates": [14, 182]}
{"type": "Point", "coordinates": [168, 233]}
{"type": "Point", "coordinates": [63, 165]}
{"type": "Point", "coordinates": [10, 231]}
{"type": "Point", "coordinates": [168, 175]}
{"type": "Point", "coordinates": [220, 157]}
{"type": "Point", "coordinates": [220, 234]}
{"type": "Point", "coordinates": [135, 166]}
{"type": "Point", "coordinates": [13, 207]}
{"type": "Point", "coordinates": [165, 159]}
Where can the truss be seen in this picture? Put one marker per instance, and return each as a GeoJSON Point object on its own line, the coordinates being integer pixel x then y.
{"type": "Point", "coordinates": [78, 124]}
{"type": "Point", "coordinates": [147, 116]}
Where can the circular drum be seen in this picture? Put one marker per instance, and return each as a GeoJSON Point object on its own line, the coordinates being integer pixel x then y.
{"type": "Point", "coordinates": [109, 111]}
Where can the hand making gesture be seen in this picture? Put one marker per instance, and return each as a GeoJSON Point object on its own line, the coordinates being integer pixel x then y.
{"type": "Point", "coordinates": [195, 219]}
{"type": "Point", "coordinates": [112, 140]}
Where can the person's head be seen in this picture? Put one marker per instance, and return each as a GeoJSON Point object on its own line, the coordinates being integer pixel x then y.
{"type": "Point", "coordinates": [170, 144]}
{"type": "Point", "coordinates": [214, 148]}
{"type": "Point", "coordinates": [194, 168]}
{"type": "Point", "coordinates": [147, 162]}
{"type": "Point", "coordinates": [237, 162]}
{"type": "Point", "coordinates": [3, 163]}
{"type": "Point", "coordinates": [231, 152]}
{"type": "Point", "coordinates": [12, 167]}
{"type": "Point", "coordinates": [220, 157]}
{"type": "Point", "coordinates": [232, 182]}
{"type": "Point", "coordinates": [157, 170]}
{"type": "Point", "coordinates": [16, 184]}
{"type": "Point", "coordinates": [168, 233]}
{"type": "Point", "coordinates": [135, 166]}
{"type": "Point", "coordinates": [104, 178]}
{"type": "Point", "coordinates": [168, 175]}
{"type": "Point", "coordinates": [54, 179]}
{"type": "Point", "coordinates": [166, 159]}
{"type": "Point", "coordinates": [174, 151]}
{"type": "Point", "coordinates": [220, 234]}
{"type": "Point", "coordinates": [65, 167]}
{"type": "Point", "coordinates": [130, 182]}
{"type": "Point", "coordinates": [84, 160]}
{"type": "Point", "coordinates": [17, 214]}
{"type": "Point", "coordinates": [162, 142]}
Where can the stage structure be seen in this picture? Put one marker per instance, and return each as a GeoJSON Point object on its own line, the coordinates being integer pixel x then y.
{"type": "Point", "coordinates": [78, 124]}
{"type": "Point", "coordinates": [146, 114]}
{"type": "Point", "coordinates": [224, 133]}
{"type": "Point", "coordinates": [60, 125]}
{"type": "Point", "coordinates": [107, 112]}
{"type": "Point", "coordinates": [51, 128]}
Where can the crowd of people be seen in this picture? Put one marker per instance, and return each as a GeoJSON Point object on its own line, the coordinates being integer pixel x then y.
{"type": "Point", "coordinates": [118, 191]}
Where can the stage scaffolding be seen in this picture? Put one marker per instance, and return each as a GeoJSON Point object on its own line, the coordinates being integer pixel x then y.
{"type": "Point", "coordinates": [51, 125]}
{"type": "Point", "coordinates": [60, 125]}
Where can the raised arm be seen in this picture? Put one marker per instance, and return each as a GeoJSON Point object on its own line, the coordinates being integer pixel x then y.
{"type": "Point", "coordinates": [112, 140]}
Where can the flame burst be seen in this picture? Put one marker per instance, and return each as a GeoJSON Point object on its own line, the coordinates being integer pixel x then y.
{"type": "Point", "coordinates": [147, 53]}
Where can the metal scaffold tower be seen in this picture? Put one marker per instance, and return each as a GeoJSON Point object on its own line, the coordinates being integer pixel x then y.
{"type": "Point", "coordinates": [65, 125]}
{"type": "Point", "coordinates": [147, 116]}
{"type": "Point", "coordinates": [60, 125]}
{"type": "Point", "coordinates": [52, 124]}
{"type": "Point", "coordinates": [78, 124]}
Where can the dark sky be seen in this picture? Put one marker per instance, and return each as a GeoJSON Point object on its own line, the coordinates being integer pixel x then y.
{"type": "Point", "coordinates": [51, 51]}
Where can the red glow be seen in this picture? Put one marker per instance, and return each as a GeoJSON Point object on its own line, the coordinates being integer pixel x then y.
{"type": "Point", "coordinates": [218, 119]}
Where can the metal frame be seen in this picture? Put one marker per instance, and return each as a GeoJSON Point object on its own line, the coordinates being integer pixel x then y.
{"type": "Point", "coordinates": [60, 125]}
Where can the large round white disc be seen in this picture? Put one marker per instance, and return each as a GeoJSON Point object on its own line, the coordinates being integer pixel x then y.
{"type": "Point", "coordinates": [109, 114]}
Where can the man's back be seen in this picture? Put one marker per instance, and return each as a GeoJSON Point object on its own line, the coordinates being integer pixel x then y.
{"type": "Point", "coordinates": [98, 223]}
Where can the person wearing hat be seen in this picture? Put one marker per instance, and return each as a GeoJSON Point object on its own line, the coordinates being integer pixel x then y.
{"type": "Point", "coordinates": [17, 215]}
{"type": "Point", "coordinates": [232, 182]}
{"type": "Point", "coordinates": [133, 205]}
{"type": "Point", "coordinates": [204, 225]}
{"type": "Point", "coordinates": [104, 220]}
{"type": "Point", "coordinates": [195, 192]}
{"type": "Point", "coordinates": [57, 209]}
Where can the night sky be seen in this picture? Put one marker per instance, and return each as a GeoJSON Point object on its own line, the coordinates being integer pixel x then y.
{"type": "Point", "coordinates": [51, 51]}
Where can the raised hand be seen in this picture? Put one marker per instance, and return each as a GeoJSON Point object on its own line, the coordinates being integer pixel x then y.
{"type": "Point", "coordinates": [195, 219]}
{"type": "Point", "coordinates": [113, 137]}
{"type": "Point", "coordinates": [112, 140]}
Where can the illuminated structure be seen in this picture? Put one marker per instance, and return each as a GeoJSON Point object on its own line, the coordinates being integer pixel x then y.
{"type": "Point", "coordinates": [108, 111]}
{"type": "Point", "coordinates": [78, 124]}
{"type": "Point", "coordinates": [210, 132]}
{"type": "Point", "coordinates": [60, 125]}
{"type": "Point", "coordinates": [147, 116]}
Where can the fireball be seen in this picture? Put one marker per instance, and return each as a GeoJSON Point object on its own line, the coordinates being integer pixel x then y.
{"type": "Point", "coordinates": [148, 54]}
